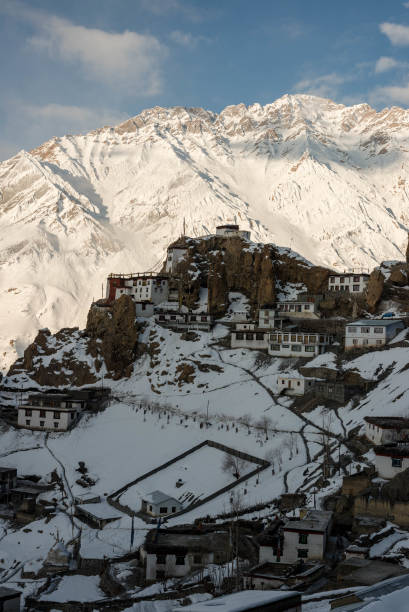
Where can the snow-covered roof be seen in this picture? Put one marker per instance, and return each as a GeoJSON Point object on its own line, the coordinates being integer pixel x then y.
{"type": "Point", "coordinates": [158, 497]}
{"type": "Point", "coordinates": [101, 510]}
{"type": "Point", "coordinates": [238, 602]}
{"type": "Point", "coordinates": [314, 520]}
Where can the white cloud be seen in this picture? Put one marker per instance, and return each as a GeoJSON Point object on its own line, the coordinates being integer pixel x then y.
{"type": "Point", "coordinates": [293, 29]}
{"type": "Point", "coordinates": [129, 61]}
{"type": "Point", "coordinates": [68, 118]}
{"type": "Point", "coordinates": [325, 85]}
{"type": "Point", "coordinates": [392, 94]}
{"type": "Point", "coordinates": [185, 39]}
{"type": "Point", "coordinates": [386, 63]}
{"type": "Point", "coordinates": [406, 4]}
{"type": "Point", "coordinates": [397, 34]}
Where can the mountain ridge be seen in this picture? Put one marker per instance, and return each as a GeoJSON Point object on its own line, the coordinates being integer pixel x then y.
{"type": "Point", "coordinates": [327, 180]}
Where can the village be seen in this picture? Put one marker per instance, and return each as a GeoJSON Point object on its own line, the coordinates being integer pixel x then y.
{"type": "Point", "coordinates": [188, 526]}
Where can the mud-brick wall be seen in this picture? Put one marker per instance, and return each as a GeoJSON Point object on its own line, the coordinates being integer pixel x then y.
{"type": "Point", "coordinates": [398, 512]}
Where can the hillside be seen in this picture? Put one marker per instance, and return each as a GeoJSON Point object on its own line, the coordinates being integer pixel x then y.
{"type": "Point", "coordinates": [326, 179]}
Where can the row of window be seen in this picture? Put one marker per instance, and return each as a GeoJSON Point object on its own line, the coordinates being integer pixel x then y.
{"type": "Point", "coordinates": [355, 279]}
{"type": "Point", "coordinates": [355, 288]}
{"type": "Point", "coordinates": [250, 336]}
{"type": "Point", "coordinates": [296, 348]}
{"type": "Point", "coordinates": [364, 342]}
{"type": "Point", "coordinates": [41, 424]}
{"type": "Point", "coordinates": [297, 338]}
{"type": "Point", "coordinates": [365, 330]}
{"type": "Point", "coordinates": [180, 559]}
{"type": "Point", "coordinates": [294, 307]}
{"type": "Point", "coordinates": [43, 413]}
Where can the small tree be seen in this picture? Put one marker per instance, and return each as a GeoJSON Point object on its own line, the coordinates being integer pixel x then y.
{"type": "Point", "coordinates": [265, 424]}
{"type": "Point", "coordinates": [233, 464]}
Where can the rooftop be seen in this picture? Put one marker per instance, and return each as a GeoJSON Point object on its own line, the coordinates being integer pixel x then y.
{"type": "Point", "coordinates": [184, 540]}
{"type": "Point", "coordinates": [158, 497]}
{"type": "Point", "coordinates": [375, 322]}
{"type": "Point", "coordinates": [388, 422]}
{"type": "Point", "coordinates": [314, 520]}
{"type": "Point", "coordinates": [393, 450]}
{"type": "Point", "coordinates": [244, 600]}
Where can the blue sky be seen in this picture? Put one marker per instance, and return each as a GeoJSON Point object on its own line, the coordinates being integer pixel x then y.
{"type": "Point", "coordinates": [74, 65]}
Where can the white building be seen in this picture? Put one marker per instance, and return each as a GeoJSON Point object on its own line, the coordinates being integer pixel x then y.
{"type": "Point", "coordinates": [178, 552]}
{"type": "Point", "coordinates": [49, 412]}
{"type": "Point", "coordinates": [292, 385]}
{"type": "Point", "coordinates": [179, 319]}
{"type": "Point", "coordinates": [350, 282]}
{"type": "Point", "coordinates": [269, 318]}
{"type": "Point", "coordinates": [297, 344]}
{"type": "Point", "coordinates": [298, 309]}
{"type": "Point", "coordinates": [391, 460]}
{"type": "Point", "coordinates": [160, 504]}
{"type": "Point", "coordinates": [147, 288]}
{"type": "Point", "coordinates": [383, 430]}
{"type": "Point", "coordinates": [305, 538]}
{"type": "Point", "coordinates": [176, 252]}
{"type": "Point", "coordinates": [232, 230]}
{"type": "Point", "coordinates": [371, 332]}
{"type": "Point", "coordinates": [247, 335]}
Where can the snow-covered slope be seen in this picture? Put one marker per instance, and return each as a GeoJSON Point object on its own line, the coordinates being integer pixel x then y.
{"type": "Point", "coordinates": [326, 179]}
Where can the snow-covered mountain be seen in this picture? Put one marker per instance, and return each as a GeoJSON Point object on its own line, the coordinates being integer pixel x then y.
{"type": "Point", "coordinates": [326, 179]}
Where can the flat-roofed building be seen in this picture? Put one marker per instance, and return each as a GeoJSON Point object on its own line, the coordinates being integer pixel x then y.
{"type": "Point", "coordinates": [348, 281]}
{"type": "Point", "coordinates": [391, 460]}
{"type": "Point", "coordinates": [177, 552]}
{"type": "Point", "coordinates": [248, 335]}
{"type": "Point", "coordinates": [158, 504]}
{"type": "Point", "coordinates": [294, 385]}
{"type": "Point", "coordinates": [232, 230]}
{"type": "Point", "coordinates": [297, 343]}
{"type": "Point", "coordinates": [367, 333]}
{"type": "Point", "coordinates": [50, 412]}
{"type": "Point", "coordinates": [298, 309]}
{"type": "Point", "coordinates": [383, 430]}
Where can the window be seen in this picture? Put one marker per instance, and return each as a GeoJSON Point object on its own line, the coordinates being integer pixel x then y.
{"type": "Point", "coordinates": [197, 559]}
{"type": "Point", "coordinates": [296, 348]}
{"type": "Point", "coordinates": [180, 560]}
{"type": "Point", "coordinates": [332, 279]}
{"type": "Point", "coordinates": [173, 318]}
{"type": "Point", "coordinates": [42, 414]}
{"type": "Point", "coordinates": [309, 349]}
{"type": "Point", "coordinates": [365, 330]}
{"type": "Point", "coordinates": [28, 412]}
{"type": "Point", "coordinates": [161, 317]}
{"type": "Point", "coordinates": [56, 425]}
{"type": "Point", "coordinates": [286, 346]}
{"type": "Point", "coordinates": [355, 341]}
{"type": "Point", "coordinates": [292, 306]}
{"type": "Point", "coordinates": [273, 337]}
{"type": "Point", "coordinates": [303, 553]}
{"type": "Point", "coordinates": [161, 559]}
{"type": "Point", "coordinates": [378, 330]}
{"type": "Point", "coordinates": [259, 336]}
{"type": "Point", "coordinates": [312, 339]}
{"type": "Point", "coordinates": [396, 463]}
{"type": "Point", "coordinates": [379, 342]}
{"type": "Point", "coordinates": [275, 347]}
{"type": "Point", "coordinates": [193, 318]}
{"type": "Point", "coordinates": [298, 383]}
{"type": "Point", "coordinates": [299, 338]}
{"type": "Point", "coordinates": [41, 423]}
{"type": "Point", "coordinates": [356, 279]}
{"type": "Point", "coordinates": [285, 337]}
{"type": "Point", "coordinates": [355, 287]}
{"type": "Point", "coordinates": [303, 538]}
{"type": "Point", "coordinates": [203, 318]}
{"type": "Point", "coordinates": [293, 338]}
{"type": "Point", "coordinates": [365, 341]}
{"type": "Point", "coordinates": [336, 288]}
{"type": "Point", "coordinates": [306, 307]}
{"type": "Point", "coordinates": [57, 415]}
{"type": "Point", "coordinates": [150, 508]}
{"type": "Point", "coordinates": [342, 280]}
{"type": "Point", "coordinates": [173, 508]}
{"type": "Point", "coordinates": [239, 335]}
{"type": "Point", "coordinates": [28, 422]}
{"type": "Point", "coordinates": [163, 510]}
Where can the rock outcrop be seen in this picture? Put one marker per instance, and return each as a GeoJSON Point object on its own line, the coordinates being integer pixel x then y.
{"type": "Point", "coordinates": [113, 336]}
{"type": "Point", "coordinates": [374, 289]}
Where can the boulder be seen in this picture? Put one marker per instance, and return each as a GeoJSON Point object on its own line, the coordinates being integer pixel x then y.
{"type": "Point", "coordinates": [398, 276]}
